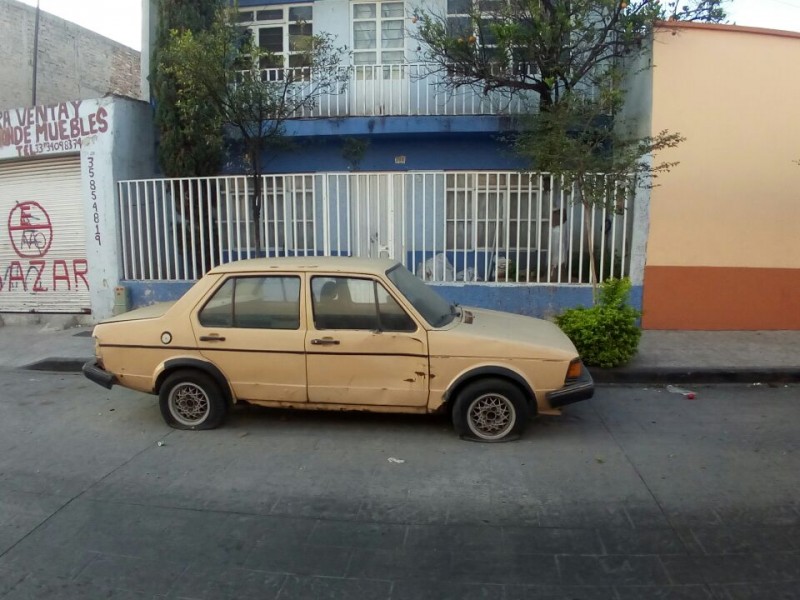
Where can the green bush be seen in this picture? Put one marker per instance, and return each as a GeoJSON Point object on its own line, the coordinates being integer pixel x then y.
{"type": "Point", "coordinates": [606, 335]}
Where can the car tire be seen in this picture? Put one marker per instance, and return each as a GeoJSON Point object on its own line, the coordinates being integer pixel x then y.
{"type": "Point", "coordinates": [490, 410]}
{"type": "Point", "coordinates": [192, 400]}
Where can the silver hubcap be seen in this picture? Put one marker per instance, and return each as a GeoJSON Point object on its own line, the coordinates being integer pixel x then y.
{"type": "Point", "coordinates": [491, 416]}
{"type": "Point", "coordinates": [188, 404]}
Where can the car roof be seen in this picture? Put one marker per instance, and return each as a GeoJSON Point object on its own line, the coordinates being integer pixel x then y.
{"type": "Point", "coordinates": [344, 264]}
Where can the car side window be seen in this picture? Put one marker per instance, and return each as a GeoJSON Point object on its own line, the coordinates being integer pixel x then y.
{"type": "Point", "coordinates": [353, 303]}
{"type": "Point", "coordinates": [271, 302]}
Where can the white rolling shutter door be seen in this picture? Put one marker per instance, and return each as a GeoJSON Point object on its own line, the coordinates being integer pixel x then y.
{"type": "Point", "coordinates": [43, 265]}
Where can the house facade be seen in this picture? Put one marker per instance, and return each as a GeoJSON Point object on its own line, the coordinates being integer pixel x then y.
{"type": "Point", "coordinates": [67, 135]}
{"type": "Point", "coordinates": [394, 164]}
{"type": "Point", "coordinates": [723, 249]}
{"type": "Point", "coordinates": [47, 60]}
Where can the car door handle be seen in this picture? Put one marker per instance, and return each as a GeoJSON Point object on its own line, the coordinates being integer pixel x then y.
{"type": "Point", "coordinates": [211, 338]}
{"type": "Point", "coordinates": [324, 342]}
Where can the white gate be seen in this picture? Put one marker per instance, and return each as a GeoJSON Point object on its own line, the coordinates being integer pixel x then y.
{"type": "Point", "coordinates": [43, 266]}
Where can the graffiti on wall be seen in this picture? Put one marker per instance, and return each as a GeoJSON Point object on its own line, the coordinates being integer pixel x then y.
{"type": "Point", "coordinates": [52, 128]}
{"type": "Point", "coordinates": [30, 231]}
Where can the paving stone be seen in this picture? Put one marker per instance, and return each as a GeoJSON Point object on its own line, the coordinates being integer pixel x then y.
{"type": "Point", "coordinates": [55, 588]}
{"type": "Point", "coordinates": [641, 541]}
{"type": "Point", "coordinates": [316, 506]}
{"type": "Point", "coordinates": [739, 540]}
{"type": "Point", "coordinates": [333, 588]}
{"type": "Point", "coordinates": [611, 570]}
{"type": "Point", "coordinates": [672, 592]}
{"type": "Point", "coordinates": [733, 568]}
{"type": "Point", "coordinates": [542, 540]}
{"type": "Point", "coordinates": [203, 583]}
{"type": "Point", "coordinates": [402, 512]}
{"type": "Point", "coordinates": [300, 559]}
{"type": "Point", "coordinates": [550, 592]}
{"type": "Point", "coordinates": [763, 591]}
{"type": "Point", "coordinates": [503, 568]}
{"type": "Point", "coordinates": [46, 560]}
{"type": "Point", "coordinates": [584, 516]}
{"type": "Point", "coordinates": [443, 590]}
{"type": "Point", "coordinates": [459, 538]}
{"type": "Point", "coordinates": [647, 516]}
{"type": "Point", "coordinates": [780, 515]}
{"type": "Point", "coordinates": [131, 573]}
{"type": "Point", "coordinates": [9, 578]}
{"type": "Point", "coordinates": [399, 564]}
{"type": "Point", "coordinates": [352, 534]}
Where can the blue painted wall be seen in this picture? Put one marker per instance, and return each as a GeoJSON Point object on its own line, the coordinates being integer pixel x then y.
{"type": "Point", "coordinates": [420, 152]}
{"type": "Point", "coordinates": [533, 300]}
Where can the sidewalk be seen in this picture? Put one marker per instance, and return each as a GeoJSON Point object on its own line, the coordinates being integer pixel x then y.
{"type": "Point", "coordinates": [664, 356]}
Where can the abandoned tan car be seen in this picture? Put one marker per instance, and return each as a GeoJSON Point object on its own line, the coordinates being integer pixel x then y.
{"type": "Point", "coordinates": [337, 334]}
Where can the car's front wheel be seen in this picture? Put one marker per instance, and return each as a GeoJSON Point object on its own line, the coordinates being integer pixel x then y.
{"type": "Point", "coordinates": [191, 400]}
{"type": "Point", "coordinates": [490, 410]}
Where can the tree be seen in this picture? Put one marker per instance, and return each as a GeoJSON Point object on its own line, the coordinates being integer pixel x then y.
{"type": "Point", "coordinates": [222, 68]}
{"type": "Point", "coordinates": [190, 138]}
{"type": "Point", "coordinates": [568, 58]}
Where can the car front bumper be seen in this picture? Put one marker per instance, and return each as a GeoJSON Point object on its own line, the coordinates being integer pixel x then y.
{"type": "Point", "coordinates": [98, 374]}
{"type": "Point", "coordinates": [575, 391]}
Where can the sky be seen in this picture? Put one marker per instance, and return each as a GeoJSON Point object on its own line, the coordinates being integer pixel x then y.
{"type": "Point", "coordinates": [121, 20]}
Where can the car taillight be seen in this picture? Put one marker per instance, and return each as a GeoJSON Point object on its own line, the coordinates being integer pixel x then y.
{"type": "Point", "coordinates": [574, 370]}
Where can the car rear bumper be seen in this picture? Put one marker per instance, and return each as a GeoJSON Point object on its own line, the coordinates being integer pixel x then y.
{"type": "Point", "coordinates": [98, 374]}
{"type": "Point", "coordinates": [580, 389]}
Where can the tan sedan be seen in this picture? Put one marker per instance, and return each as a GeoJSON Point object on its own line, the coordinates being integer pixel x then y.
{"type": "Point", "coordinates": [337, 334]}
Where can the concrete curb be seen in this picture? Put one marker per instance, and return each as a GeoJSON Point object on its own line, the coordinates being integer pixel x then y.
{"type": "Point", "coordinates": [664, 375]}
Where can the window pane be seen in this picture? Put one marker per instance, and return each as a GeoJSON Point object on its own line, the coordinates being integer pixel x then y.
{"type": "Point", "coordinates": [344, 303]}
{"type": "Point", "coordinates": [271, 62]}
{"type": "Point", "coordinates": [392, 58]}
{"type": "Point", "coordinates": [364, 58]}
{"type": "Point", "coordinates": [271, 38]}
{"type": "Point", "coordinates": [218, 312]}
{"type": "Point", "coordinates": [364, 35]}
{"type": "Point", "coordinates": [459, 26]}
{"type": "Point", "coordinates": [300, 37]}
{"type": "Point", "coordinates": [300, 13]}
{"type": "Point", "coordinates": [245, 16]}
{"type": "Point", "coordinates": [391, 9]}
{"type": "Point", "coordinates": [393, 317]}
{"type": "Point", "coordinates": [364, 11]}
{"type": "Point", "coordinates": [299, 60]}
{"type": "Point", "coordinates": [458, 7]}
{"type": "Point", "coordinates": [267, 303]}
{"type": "Point", "coordinates": [270, 15]}
{"type": "Point", "coordinates": [392, 34]}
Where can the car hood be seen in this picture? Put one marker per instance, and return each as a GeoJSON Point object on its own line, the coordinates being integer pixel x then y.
{"type": "Point", "coordinates": [488, 333]}
{"type": "Point", "coordinates": [146, 312]}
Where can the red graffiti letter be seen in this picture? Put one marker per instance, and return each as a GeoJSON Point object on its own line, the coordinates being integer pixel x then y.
{"type": "Point", "coordinates": [37, 284]}
{"type": "Point", "coordinates": [57, 277]}
{"type": "Point", "coordinates": [84, 269]}
{"type": "Point", "coordinates": [15, 274]}
{"type": "Point", "coordinates": [102, 113]}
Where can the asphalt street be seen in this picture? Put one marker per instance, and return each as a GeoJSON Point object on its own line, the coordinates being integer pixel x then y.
{"type": "Point", "coordinates": [635, 494]}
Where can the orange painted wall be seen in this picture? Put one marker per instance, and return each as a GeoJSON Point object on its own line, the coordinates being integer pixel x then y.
{"type": "Point", "coordinates": [729, 213]}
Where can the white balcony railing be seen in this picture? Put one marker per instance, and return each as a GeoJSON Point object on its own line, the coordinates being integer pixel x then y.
{"type": "Point", "coordinates": [479, 226]}
{"type": "Point", "coordinates": [403, 89]}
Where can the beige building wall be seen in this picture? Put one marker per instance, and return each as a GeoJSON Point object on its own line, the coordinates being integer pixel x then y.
{"type": "Point", "coordinates": [724, 242]}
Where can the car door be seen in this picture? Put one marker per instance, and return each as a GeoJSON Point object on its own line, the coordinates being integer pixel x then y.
{"type": "Point", "coordinates": [361, 346]}
{"type": "Point", "coordinates": [252, 328]}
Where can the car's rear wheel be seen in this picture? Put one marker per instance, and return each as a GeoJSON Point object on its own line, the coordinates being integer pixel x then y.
{"type": "Point", "coordinates": [191, 400]}
{"type": "Point", "coordinates": [490, 410]}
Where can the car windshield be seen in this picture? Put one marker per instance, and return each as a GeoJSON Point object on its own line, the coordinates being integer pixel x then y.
{"type": "Point", "coordinates": [433, 308]}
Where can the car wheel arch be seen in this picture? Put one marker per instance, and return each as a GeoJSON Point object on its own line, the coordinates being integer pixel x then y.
{"type": "Point", "coordinates": [490, 371]}
{"type": "Point", "coordinates": [181, 364]}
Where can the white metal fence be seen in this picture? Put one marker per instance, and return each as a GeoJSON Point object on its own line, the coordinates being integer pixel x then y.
{"type": "Point", "coordinates": [405, 89]}
{"type": "Point", "coordinates": [444, 226]}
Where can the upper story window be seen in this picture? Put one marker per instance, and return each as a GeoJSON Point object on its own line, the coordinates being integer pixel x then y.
{"type": "Point", "coordinates": [461, 22]}
{"type": "Point", "coordinates": [283, 31]}
{"type": "Point", "coordinates": [378, 33]}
